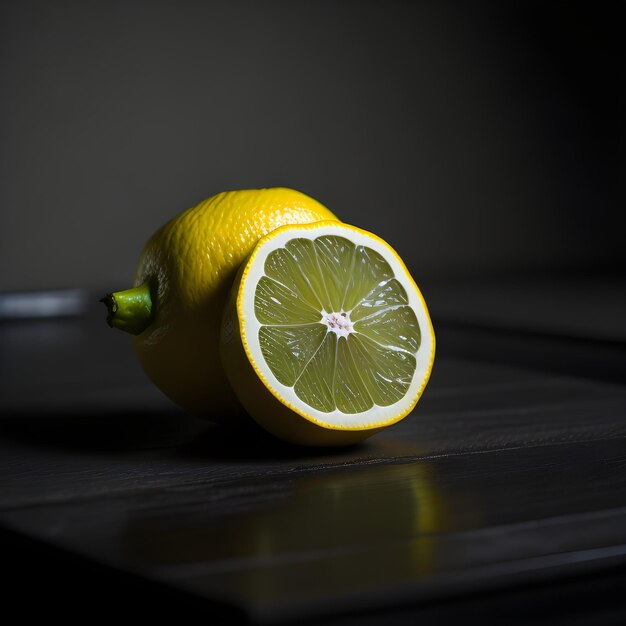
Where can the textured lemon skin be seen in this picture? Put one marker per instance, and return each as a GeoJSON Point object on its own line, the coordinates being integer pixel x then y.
{"type": "Point", "coordinates": [266, 406]}
{"type": "Point", "coordinates": [190, 264]}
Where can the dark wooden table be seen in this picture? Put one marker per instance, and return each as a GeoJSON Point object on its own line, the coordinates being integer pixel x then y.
{"type": "Point", "coordinates": [501, 499]}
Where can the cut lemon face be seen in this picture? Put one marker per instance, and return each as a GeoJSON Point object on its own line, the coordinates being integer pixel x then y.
{"type": "Point", "coordinates": [326, 338]}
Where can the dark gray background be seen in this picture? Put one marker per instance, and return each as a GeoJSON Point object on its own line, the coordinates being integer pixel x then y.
{"type": "Point", "coordinates": [475, 137]}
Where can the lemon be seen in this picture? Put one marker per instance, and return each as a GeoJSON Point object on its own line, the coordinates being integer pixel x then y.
{"type": "Point", "coordinates": [326, 338]}
{"type": "Point", "coordinates": [181, 284]}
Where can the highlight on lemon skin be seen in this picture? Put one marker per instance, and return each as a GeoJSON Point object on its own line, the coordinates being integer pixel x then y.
{"type": "Point", "coordinates": [326, 338]}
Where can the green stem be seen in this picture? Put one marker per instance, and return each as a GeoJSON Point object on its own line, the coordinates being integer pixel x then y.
{"type": "Point", "coordinates": [130, 310]}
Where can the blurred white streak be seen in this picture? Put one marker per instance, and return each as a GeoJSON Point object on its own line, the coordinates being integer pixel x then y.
{"type": "Point", "coordinates": [42, 304]}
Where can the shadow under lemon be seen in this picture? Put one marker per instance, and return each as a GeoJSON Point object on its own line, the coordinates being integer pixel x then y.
{"type": "Point", "coordinates": [340, 529]}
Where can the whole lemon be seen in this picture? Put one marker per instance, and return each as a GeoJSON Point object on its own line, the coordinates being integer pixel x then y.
{"type": "Point", "coordinates": [181, 284]}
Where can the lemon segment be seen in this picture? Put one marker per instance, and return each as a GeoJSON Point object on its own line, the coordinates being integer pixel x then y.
{"type": "Point", "coordinates": [325, 323]}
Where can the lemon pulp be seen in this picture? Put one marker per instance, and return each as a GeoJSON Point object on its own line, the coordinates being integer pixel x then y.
{"type": "Point", "coordinates": [336, 325]}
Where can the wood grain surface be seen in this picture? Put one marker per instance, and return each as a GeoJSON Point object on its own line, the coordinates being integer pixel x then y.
{"type": "Point", "coordinates": [506, 475]}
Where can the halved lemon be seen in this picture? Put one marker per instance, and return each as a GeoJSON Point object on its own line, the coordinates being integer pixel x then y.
{"type": "Point", "coordinates": [326, 338]}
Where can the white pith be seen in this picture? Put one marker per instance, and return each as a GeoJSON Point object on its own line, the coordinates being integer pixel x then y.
{"type": "Point", "coordinates": [338, 323]}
